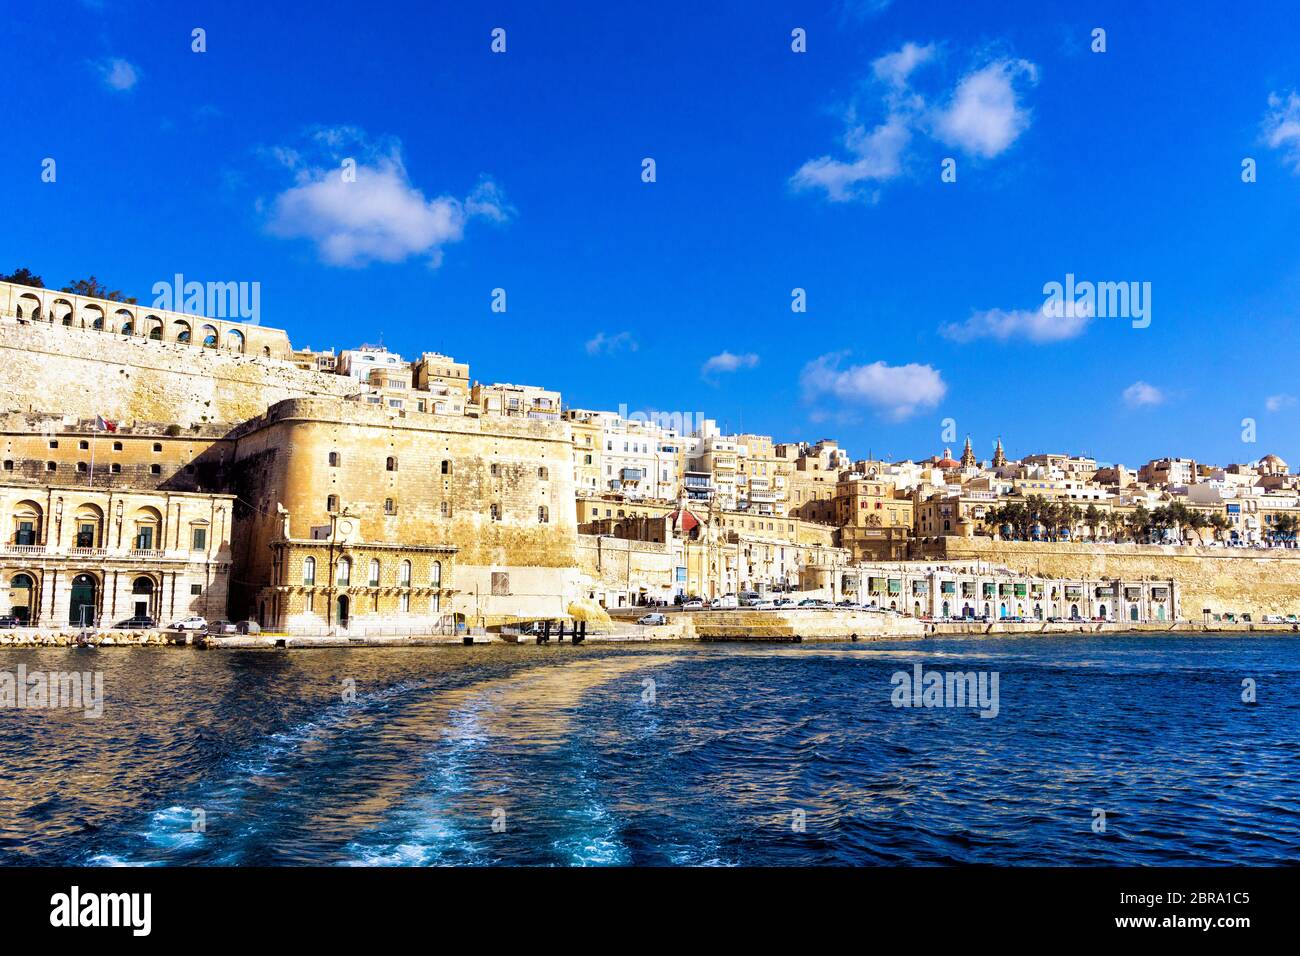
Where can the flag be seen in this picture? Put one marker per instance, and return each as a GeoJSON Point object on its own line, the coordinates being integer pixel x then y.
{"type": "Point", "coordinates": [104, 425]}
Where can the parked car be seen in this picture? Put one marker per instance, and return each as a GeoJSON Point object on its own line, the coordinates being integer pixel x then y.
{"type": "Point", "coordinates": [763, 606]}
{"type": "Point", "coordinates": [248, 627]}
{"type": "Point", "coordinates": [784, 602]}
{"type": "Point", "coordinates": [222, 627]}
{"type": "Point", "coordinates": [190, 624]}
{"type": "Point", "coordinates": [653, 620]}
{"type": "Point", "coordinates": [8, 622]}
{"type": "Point", "coordinates": [728, 602]}
{"type": "Point", "coordinates": [137, 623]}
{"type": "Point", "coordinates": [693, 605]}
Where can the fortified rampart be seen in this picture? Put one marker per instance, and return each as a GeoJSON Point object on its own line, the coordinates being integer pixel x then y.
{"type": "Point", "coordinates": [1223, 580]}
{"type": "Point", "coordinates": [84, 372]}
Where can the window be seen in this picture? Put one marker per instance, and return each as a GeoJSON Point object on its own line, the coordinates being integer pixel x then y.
{"type": "Point", "coordinates": [82, 467]}
{"type": "Point", "coordinates": [344, 576]}
{"type": "Point", "coordinates": [374, 572]}
{"type": "Point", "coordinates": [445, 508]}
{"type": "Point", "coordinates": [390, 506]}
{"type": "Point", "coordinates": [495, 512]}
{"type": "Point", "coordinates": [196, 589]}
{"type": "Point", "coordinates": [199, 539]}
{"type": "Point", "coordinates": [83, 445]}
{"type": "Point", "coordinates": [391, 465]}
{"type": "Point", "coordinates": [9, 464]}
{"type": "Point", "coordinates": [54, 443]}
{"type": "Point", "coordinates": [496, 470]}
{"type": "Point", "coordinates": [51, 466]}
{"type": "Point", "coordinates": [543, 516]}
{"type": "Point", "coordinates": [332, 503]}
{"type": "Point", "coordinates": [309, 570]}
{"type": "Point", "coordinates": [404, 575]}
{"type": "Point", "coordinates": [117, 446]}
{"type": "Point", "coordinates": [157, 447]}
{"type": "Point", "coordinates": [437, 574]}
{"type": "Point", "coordinates": [334, 459]}
{"type": "Point", "coordinates": [115, 468]}
{"type": "Point", "coordinates": [404, 602]}
{"type": "Point", "coordinates": [543, 474]}
{"type": "Point", "coordinates": [155, 469]}
{"type": "Point", "coordinates": [446, 467]}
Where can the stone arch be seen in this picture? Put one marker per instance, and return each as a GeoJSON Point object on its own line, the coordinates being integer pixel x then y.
{"type": "Point", "coordinates": [27, 518]}
{"type": "Point", "coordinates": [124, 319]}
{"type": "Point", "coordinates": [146, 529]}
{"type": "Point", "coordinates": [22, 596]}
{"type": "Point", "coordinates": [83, 599]}
{"type": "Point", "coordinates": [88, 526]}
{"type": "Point", "coordinates": [181, 332]}
{"type": "Point", "coordinates": [235, 341]}
{"type": "Point", "coordinates": [28, 306]}
{"type": "Point", "coordinates": [154, 327]}
{"type": "Point", "coordinates": [209, 338]}
{"type": "Point", "coordinates": [63, 312]}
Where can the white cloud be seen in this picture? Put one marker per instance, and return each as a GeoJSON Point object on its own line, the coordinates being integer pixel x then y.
{"type": "Point", "coordinates": [117, 74]}
{"type": "Point", "coordinates": [1140, 394]}
{"type": "Point", "coordinates": [727, 362]}
{"type": "Point", "coordinates": [1035, 325]}
{"type": "Point", "coordinates": [380, 216]}
{"type": "Point", "coordinates": [1282, 126]}
{"type": "Point", "coordinates": [896, 391]}
{"type": "Point", "coordinates": [1275, 403]}
{"type": "Point", "coordinates": [894, 68]}
{"type": "Point", "coordinates": [601, 342]}
{"type": "Point", "coordinates": [984, 116]}
{"type": "Point", "coordinates": [878, 158]}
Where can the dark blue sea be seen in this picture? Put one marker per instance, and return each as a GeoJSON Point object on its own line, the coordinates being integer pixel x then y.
{"type": "Point", "coordinates": [663, 755]}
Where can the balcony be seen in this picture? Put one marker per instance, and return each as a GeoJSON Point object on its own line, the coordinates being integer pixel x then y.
{"type": "Point", "coordinates": [22, 549]}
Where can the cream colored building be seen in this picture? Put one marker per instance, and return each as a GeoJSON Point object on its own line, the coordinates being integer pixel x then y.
{"type": "Point", "coordinates": [82, 556]}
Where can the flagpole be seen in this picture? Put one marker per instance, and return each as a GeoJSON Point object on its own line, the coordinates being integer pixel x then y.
{"type": "Point", "coordinates": [94, 432]}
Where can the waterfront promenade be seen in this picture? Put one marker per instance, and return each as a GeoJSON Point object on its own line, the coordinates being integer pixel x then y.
{"type": "Point", "coordinates": [792, 626]}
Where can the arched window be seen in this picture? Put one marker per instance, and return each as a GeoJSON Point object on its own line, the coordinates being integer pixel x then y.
{"type": "Point", "coordinates": [344, 577]}
{"type": "Point", "coordinates": [404, 576]}
{"type": "Point", "coordinates": [332, 503]}
{"type": "Point", "coordinates": [309, 570]}
{"type": "Point", "coordinates": [437, 574]}
{"type": "Point", "coordinates": [391, 464]}
{"type": "Point", "coordinates": [27, 523]}
{"type": "Point", "coordinates": [335, 458]}
{"type": "Point", "coordinates": [374, 572]}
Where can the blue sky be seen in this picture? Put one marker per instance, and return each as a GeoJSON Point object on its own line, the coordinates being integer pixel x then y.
{"type": "Point", "coordinates": [775, 170]}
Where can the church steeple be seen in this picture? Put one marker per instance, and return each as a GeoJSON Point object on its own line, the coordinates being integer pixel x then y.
{"type": "Point", "coordinates": [999, 456]}
{"type": "Point", "coordinates": [968, 455]}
